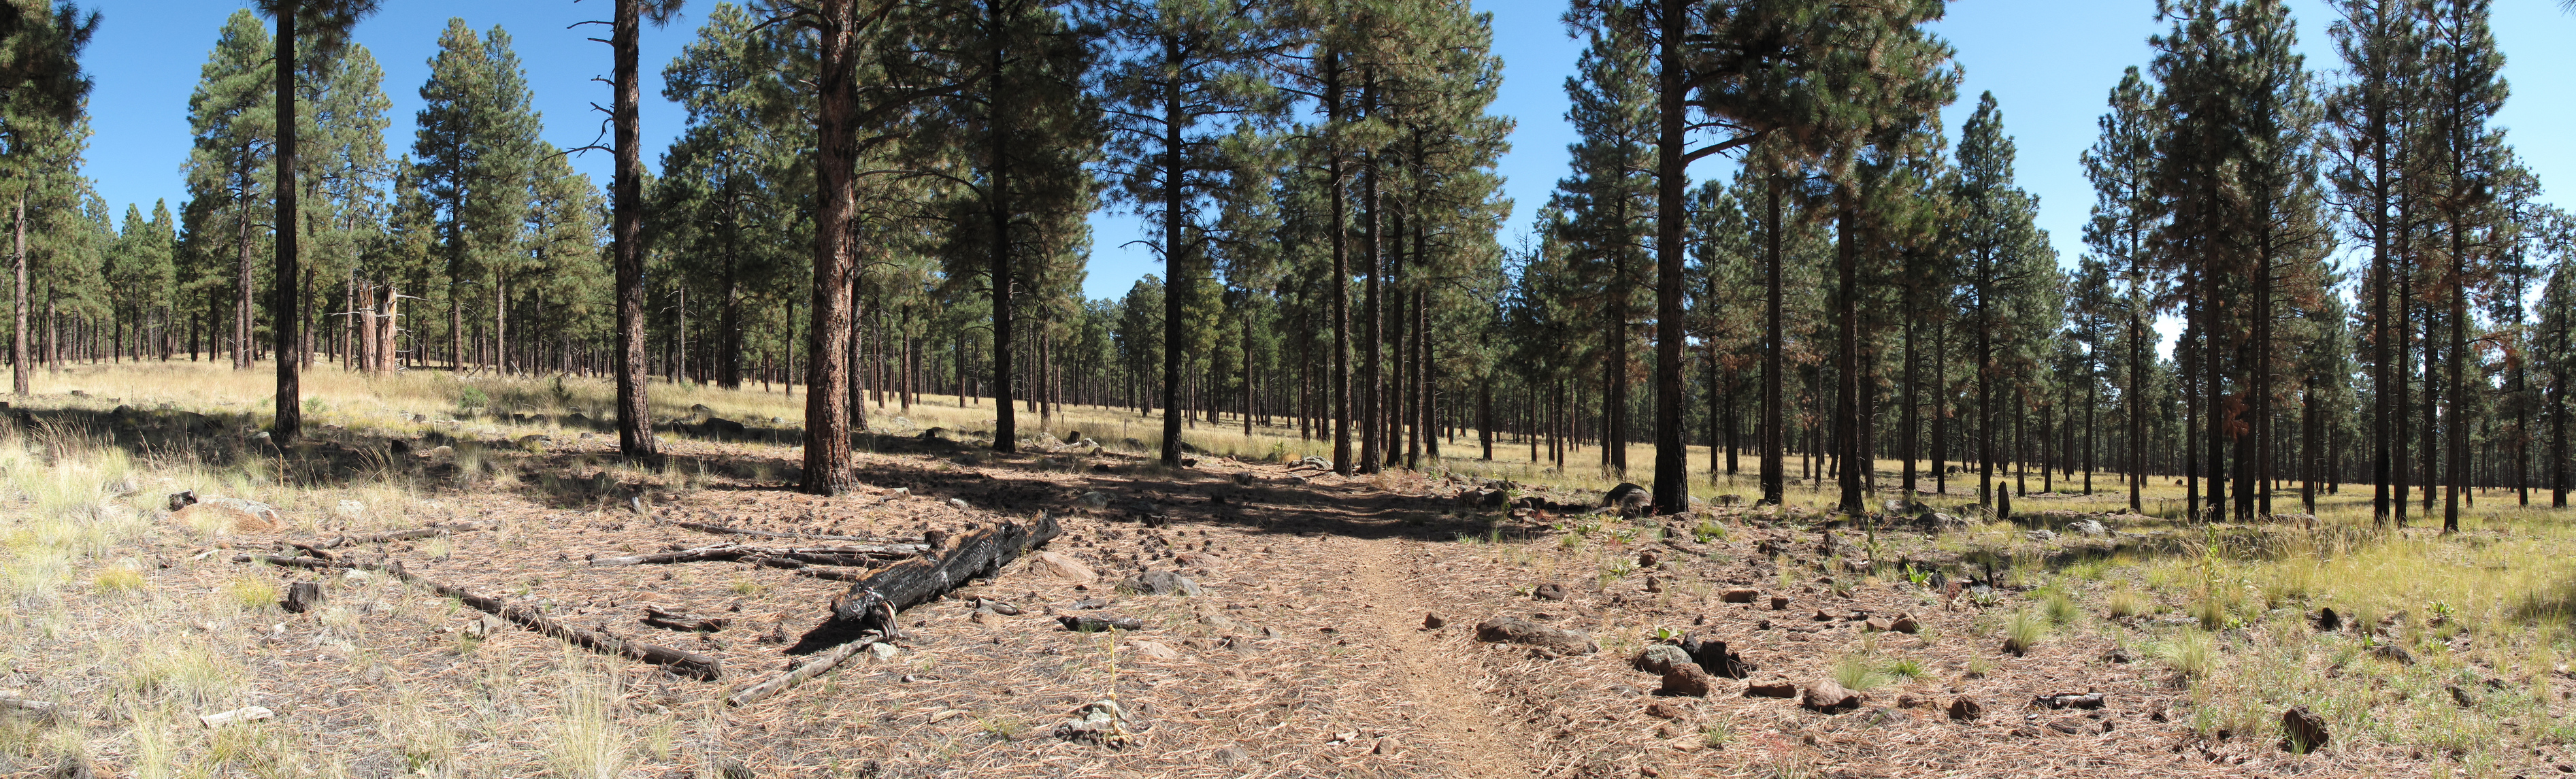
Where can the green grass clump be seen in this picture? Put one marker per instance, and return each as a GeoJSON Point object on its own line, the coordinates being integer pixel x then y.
{"type": "Point", "coordinates": [2059, 607]}
{"type": "Point", "coordinates": [2191, 654]}
{"type": "Point", "coordinates": [2124, 602]}
{"type": "Point", "coordinates": [2024, 631]}
{"type": "Point", "coordinates": [1854, 673]}
{"type": "Point", "coordinates": [1904, 668]}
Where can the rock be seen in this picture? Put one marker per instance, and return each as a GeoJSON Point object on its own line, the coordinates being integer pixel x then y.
{"type": "Point", "coordinates": [1666, 710]}
{"type": "Point", "coordinates": [2119, 655]}
{"type": "Point", "coordinates": [1687, 679]}
{"type": "Point", "coordinates": [725, 428]}
{"type": "Point", "coordinates": [881, 651]}
{"type": "Point", "coordinates": [960, 503]}
{"type": "Point", "coordinates": [1779, 603]}
{"type": "Point", "coordinates": [1823, 695]}
{"type": "Point", "coordinates": [2040, 535]}
{"type": "Point", "coordinates": [1098, 624]}
{"type": "Point", "coordinates": [1520, 631]}
{"type": "Point", "coordinates": [1905, 623]}
{"type": "Point", "coordinates": [1219, 623]}
{"type": "Point", "coordinates": [1737, 595]}
{"type": "Point", "coordinates": [2328, 620]}
{"type": "Point", "coordinates": [1433, 622]}
{"type": "Point", "coordinates": [1197, 560]}
{"type": "Point", "coordinates": [1058, 565]}
{"type": "Point", "coordinates": [1821, 616]}
{"type": "Point", "coordinates": [1232, 755]}
{"type": "Point", "coordinates": [1878, 625]}
{"type": "Point", "coordinates": [1165, 583]}
{"type": "Point", "coordinates": [1243, 478]}
{"type": "Point", "coordinates": [182, 499]}
{"type": "Point", "coordinates": [1776, 688]}
{"type": "Point", "coordinates": [2306, 732]}
{"type": "Point", "coordinates": [2090, 528]}
{"type": "Point", "coordinates": [1965, 709]}
{"type": "Point", "coordinates": [1549, 591]}
{"type": "Point", "coordinates": [2461, 696]}
{"type": "Point", "coordinates": [243, 714]}
{"type": "Point", "coordinates": [1659, 659]}
{"type": "Point", "coordinates": [1713, 657]}
{"type": "Point", "coordinates": [1095, 499]}
{"type": "Point", "coordinates": [1154, 649]}
{"type": "Point", "coordinates": [1099, 722]}
{"type": "Point", "coordinates": [2394, 653]}
{"type": "Point", "coordinates": [230, 514]}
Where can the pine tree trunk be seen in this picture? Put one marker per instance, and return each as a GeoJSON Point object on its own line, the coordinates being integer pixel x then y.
{"type": "Point", "coordinates": [827, 420]}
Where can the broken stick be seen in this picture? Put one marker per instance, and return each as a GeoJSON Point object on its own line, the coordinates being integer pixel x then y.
{"type": "Point", "coordinates": [815, 555]}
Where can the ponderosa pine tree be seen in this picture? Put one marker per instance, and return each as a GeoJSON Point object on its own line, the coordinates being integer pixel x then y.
{"type": "Point", "coordinates": [42, 89]}
{"type": "Point", "coordinates": [1607, 202]}
{"type": "Point", "coordinates": [635, 441]}
{"type": "Point", "coordinates": [1009, 133]}
{"type": "Point", "coordinates": [2465, 88]}
{"type": "Point", "coordinates": [477, 153]}
{"type": "Point", "coordinates": [1191, 79]}
{"type": "Point", "coordinates": [2380, 44]}
{"type": "Point", "coordinates": [2125, 216]}
{"type": "Point", "coordinates": [327, 23]}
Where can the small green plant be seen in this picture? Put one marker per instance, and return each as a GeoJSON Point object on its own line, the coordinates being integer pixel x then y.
{"type": "Point", "coordinates": [2124, 602]}
{"type": "Point", "coordinates": [1663, 635]}
{"type": "Point", "coordinates": [2059, 607]}
{"type": "Point", "coordinates": [1906, 668]}
{"type": "Point", "coordinates": [315, 406]}
{"type": "Point", "coordinates": [1717, 734]}
{"type": "Point", "coordinates": [251, 592]}
{"type": "Point", "coordinates": [2024, 632]}
{"type": "Point", "coordinates": [1854, 673]}
{"type": "Point", "coordinates": [1709, 530]}
{"type": "Point", "coordinates": [2191, 654]}
{"type": "Point", "coordinates": [119, 578]}
{"type": "Point", "coordinates": [472, 398]}
{"type": "Point", "coordinates": [2211, 611]}
{"type": "Point", "coordinates": [1978, 668]}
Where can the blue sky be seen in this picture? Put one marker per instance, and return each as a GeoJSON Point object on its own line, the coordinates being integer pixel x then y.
{"type": "Point", "coordinates": [2050, 64]}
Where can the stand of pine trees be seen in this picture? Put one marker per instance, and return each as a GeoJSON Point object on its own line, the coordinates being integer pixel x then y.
{"type": "Point", "coordinates": [873, 202]}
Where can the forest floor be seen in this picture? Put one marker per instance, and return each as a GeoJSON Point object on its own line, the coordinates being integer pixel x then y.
{"type": "Point", "coordinates": [1339, 628]}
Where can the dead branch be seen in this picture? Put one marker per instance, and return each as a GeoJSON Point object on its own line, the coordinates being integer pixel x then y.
{"type": "Point", "coordinates": [735, 531]}
{"type": "Point", "coordinates": [678, 661]}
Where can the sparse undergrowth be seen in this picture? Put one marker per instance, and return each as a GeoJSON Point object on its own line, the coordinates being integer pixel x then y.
{"type": "Point", "coordinates": [2450, 656]}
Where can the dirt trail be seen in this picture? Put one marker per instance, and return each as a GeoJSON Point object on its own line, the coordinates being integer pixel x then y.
{"type": "Point", "coordinates": [1479, 745]}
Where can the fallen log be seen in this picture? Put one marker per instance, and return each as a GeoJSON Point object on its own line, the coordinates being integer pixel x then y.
{"type": "Point", "coordinates": [735, 531]}
{"type": "Point", "coordinates": [867, 612]}
{"type": "Point", "coordinates": [815, 555]}
{"type": "Point", "coordinates": [679, 661]}
{"type": "Point", "coordinates": [977, 553]}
